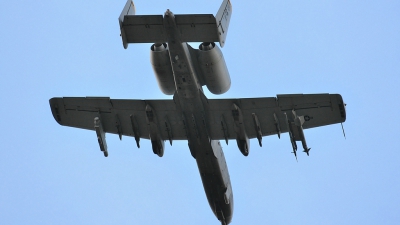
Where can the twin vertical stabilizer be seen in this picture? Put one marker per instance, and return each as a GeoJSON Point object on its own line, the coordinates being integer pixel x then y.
{"type": "Point", "coordinates": [129, 9]}
{"type": "Point", "coordinates": [223, 17]}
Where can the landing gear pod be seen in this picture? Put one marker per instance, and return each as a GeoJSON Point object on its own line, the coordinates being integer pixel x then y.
{"type": "Point", "coordinates": [242, 139]}
{"type": "Point", "coordinates": [156, 142]}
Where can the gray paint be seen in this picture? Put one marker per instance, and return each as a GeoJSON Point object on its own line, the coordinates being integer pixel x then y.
{"type": "Point", "coordinates": [190, 115]}
{"type": "Point", "coordinates": [161, 64]}
{"type": "Point", "coordinates": [213, 68]}
{"type": "Point", "coordinates": [213, 170]}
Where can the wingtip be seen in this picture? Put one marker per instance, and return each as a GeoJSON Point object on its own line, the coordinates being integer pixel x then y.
{"type": "Point", "coordinates": [55, 110]}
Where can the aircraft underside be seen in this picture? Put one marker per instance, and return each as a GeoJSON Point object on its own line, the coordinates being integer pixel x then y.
{"type": "Point", "coordinates": [182, 71]}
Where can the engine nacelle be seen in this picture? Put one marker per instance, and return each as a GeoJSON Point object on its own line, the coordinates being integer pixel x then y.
{"type": "Point", "coordinates": [161, 63]}
{"type": "Point", "coordinates": [213, 68]}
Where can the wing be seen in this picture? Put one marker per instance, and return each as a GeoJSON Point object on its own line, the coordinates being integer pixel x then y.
{"type": "Point", "coordinates": [122, 117]}
{"type": "Point", "coordinates": [267, 115]}
{"type": "Point", "coordinates": [226, 117]}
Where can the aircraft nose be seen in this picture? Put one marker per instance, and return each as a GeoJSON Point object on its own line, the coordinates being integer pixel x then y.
{"type": "Point", "coordinates": [168, 13]}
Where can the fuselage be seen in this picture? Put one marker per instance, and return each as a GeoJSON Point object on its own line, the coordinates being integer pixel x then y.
{"type": "Point", "coordinates": [208, 153]}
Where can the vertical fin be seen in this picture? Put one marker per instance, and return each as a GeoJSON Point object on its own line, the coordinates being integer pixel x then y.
{"type": "Point", "coordinates": [129, 9]}
{"type": "Point", "coordinates": [223, 17]}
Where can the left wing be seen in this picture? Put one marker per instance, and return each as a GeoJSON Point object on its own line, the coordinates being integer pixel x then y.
{"type": "Point", "coordinates": [136, 118]}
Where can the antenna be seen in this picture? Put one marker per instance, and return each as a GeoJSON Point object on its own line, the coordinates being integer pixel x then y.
{"type": "Point", "coordinates": [344, 134]}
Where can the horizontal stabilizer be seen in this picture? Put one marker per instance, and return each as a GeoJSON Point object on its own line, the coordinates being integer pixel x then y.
{"type": "Point", "coordinates": [197, 27]}
{"type": "Point", "coordinates": [143, 29]}
{"type": "Point", "coordinates": [192, 27]}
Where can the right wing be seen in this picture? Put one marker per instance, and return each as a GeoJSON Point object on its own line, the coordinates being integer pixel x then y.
{"type": "Point", "coordinates": [317, 109]}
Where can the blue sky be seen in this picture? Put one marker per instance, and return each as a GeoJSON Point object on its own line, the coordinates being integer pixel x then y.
{"type": "Point", "coordinates": [56, 175]}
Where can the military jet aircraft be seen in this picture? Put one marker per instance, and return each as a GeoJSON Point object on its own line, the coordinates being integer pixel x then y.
{"type": "Point", "coordinates": [182, 71]}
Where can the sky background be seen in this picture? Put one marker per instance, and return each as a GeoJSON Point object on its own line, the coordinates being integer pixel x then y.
{"type": "Point", "coordinates": [51, 174]}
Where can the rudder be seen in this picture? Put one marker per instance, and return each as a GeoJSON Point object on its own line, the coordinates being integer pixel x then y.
{"type": "Point", "coordinates": [223, 17]}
